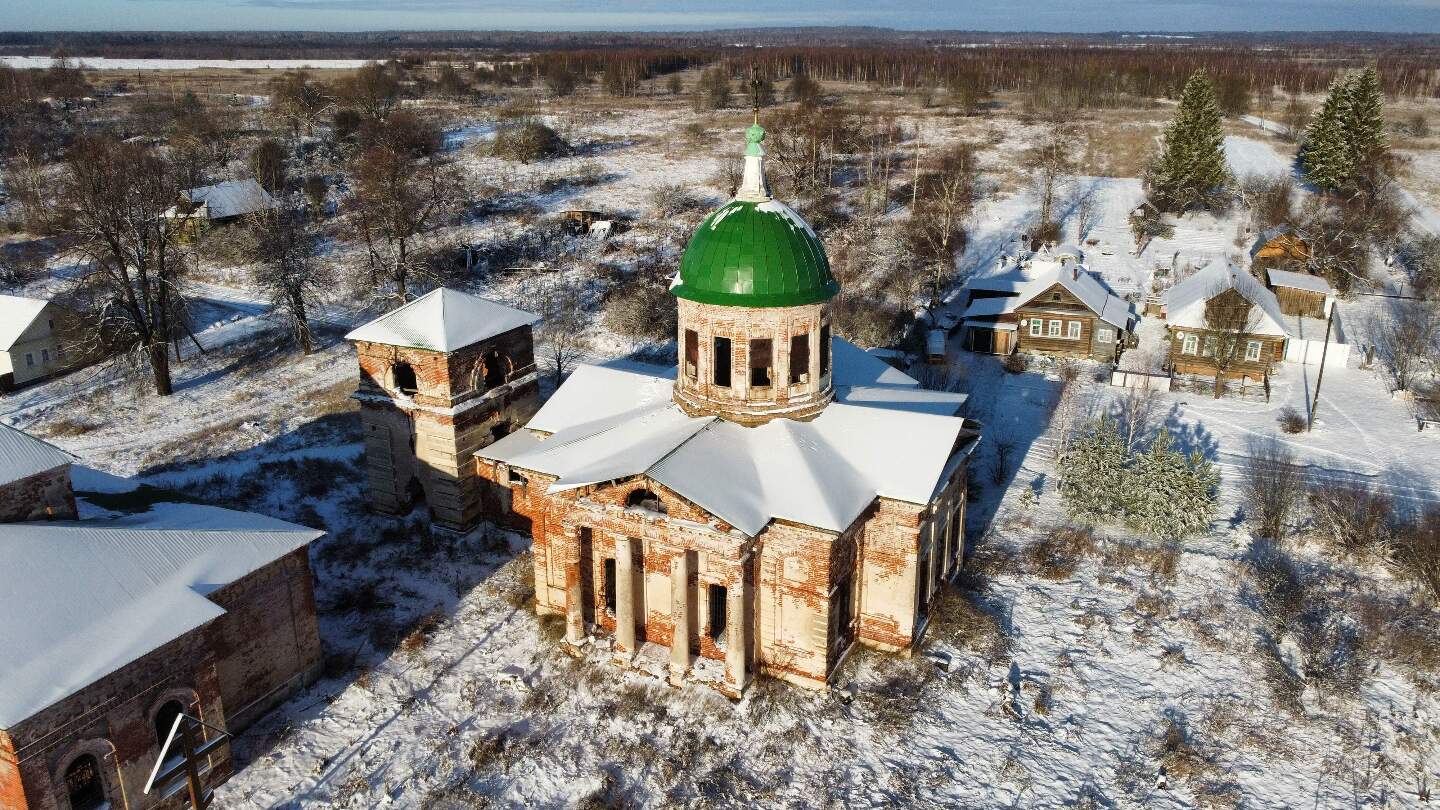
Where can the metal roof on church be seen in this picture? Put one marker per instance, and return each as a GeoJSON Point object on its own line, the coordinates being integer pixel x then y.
{"type": "Point", "coordinates": [443, 320]}
{"type": "Point", "coordinates": [85, 598]}
{"type": "Point", "coordinates": [23, 455]}
{"type": "Point", "coordinates": [887, 439]}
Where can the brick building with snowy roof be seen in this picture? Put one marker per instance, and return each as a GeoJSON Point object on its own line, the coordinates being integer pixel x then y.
{"type": "Point", "coordinates": [114, 625]}
{"type": "Point", "coordinates": [775, 500]}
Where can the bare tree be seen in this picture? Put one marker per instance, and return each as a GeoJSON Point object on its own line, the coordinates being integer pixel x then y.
{"type": "Point", "coordinates": [1417, 550]}
{"type": "Point", "coordinates": [267, 163]}
{"type": "Point", "coordinates": [561, 336]}
{"type": "Point", "coordinates": [373, 90]}
{"type": "Point", "coordinates": [396, 200]}
{"type": "Point", "coordinates": [1295, 117]}
{"type": "Point", "coordinates": [297, 101]}
{"type": "Point", "coordinates": [1230, 323]}
{"type": "Point", "coordinates": [945, 197]}
{"type": "Point", "coordinates": [1273, 487]}
{"type": "Point", "coordinates": [287, 269]}
{"type": "Point", "coordinates": [1136, 413]}
{"type": "Point", "coordinates": [1407, 339]}
{"type": "Point", "coordinates": [1050, 162]}
{"type": "Point", "coordinates": [1086, 209]}
{"type": "Point", "coordinates": [130, 290]}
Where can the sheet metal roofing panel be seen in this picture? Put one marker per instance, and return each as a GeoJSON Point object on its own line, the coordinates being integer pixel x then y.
{"type": "Point", "coordinates": [443, 320]}
{"type": "Point", "coordinates": [23, 455]}
{"type": "Point", "coordinates": [16, 315]}
{"type": "Point", "coordinates": [84, 598]}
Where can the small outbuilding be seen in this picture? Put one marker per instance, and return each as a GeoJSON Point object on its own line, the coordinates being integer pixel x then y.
{"type": "Point", "coordinates": [1300, 293]}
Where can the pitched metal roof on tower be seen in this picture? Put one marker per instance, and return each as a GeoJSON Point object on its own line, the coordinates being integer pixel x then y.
{"type": "Point", "coordinates": [23, 455]}
{"type": "Point", "coordinates": [443, 320]}
{"type": "Point", "coordinates": [755, 251]}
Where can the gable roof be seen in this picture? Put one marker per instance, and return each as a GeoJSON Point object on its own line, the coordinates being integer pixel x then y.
{"type": "Point", "coordinates": [1087, 288]}
{"type": "Point", "coordinates": [1185, 302]}
{"type": "Point", "coordinates": [23, 455]}
{"type": "Point", "coordinates": [443, 320]}
{"type": "Point", "coordinates": [1270, 234]}
{"type": "Point", "coordinates": [876, 439]}
{"type": "Point", "coordinates": [86, 598]}
{"type": "Point", "coordinates": [1298, 281]}
{"type": "Point", "coordinates": [232, 198]}
{"type": "Point", "coordinates": [16, 315]}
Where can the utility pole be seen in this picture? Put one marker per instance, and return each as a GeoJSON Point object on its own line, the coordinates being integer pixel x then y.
{"type": "Point", "coordinates": [1320, 378]}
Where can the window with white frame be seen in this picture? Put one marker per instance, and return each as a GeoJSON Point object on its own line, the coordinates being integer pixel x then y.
{"type": "Point", "coordinates": [1054, 329]}
{"type": "Point", "coordinates": [1252, 350]}
{"type": "Point", "coordinates": [1209, 346]}
{"type": "Point", "coordinates": [1072, 330]}
{"type": "Point", "coordinates": [1105, 334]}
{"type": "Point", "coordinates": [1191, 345]}
{"type": "Point", "coordinates": [1037, 327]}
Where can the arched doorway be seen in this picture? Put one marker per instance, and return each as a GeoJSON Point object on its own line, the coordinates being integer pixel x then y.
{"type": "Point", "coordinates": [84, 784]}
{"type": "Point", "coordinates": [165, 719]}
{"type": "Point", "coordinates": [402, 379]}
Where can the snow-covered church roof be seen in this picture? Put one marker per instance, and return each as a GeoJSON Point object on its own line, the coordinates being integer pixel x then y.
{"type": "Point", "coordinates": [1185, 302]}
{"type": "Point", "coordinates": [85, 598]}
{"type": "Point", "coordinates": [443, 320]}
{"type": "Point", "coordinates": [23, 455]}
{"type": "Point", "coordinates": [883, 436]}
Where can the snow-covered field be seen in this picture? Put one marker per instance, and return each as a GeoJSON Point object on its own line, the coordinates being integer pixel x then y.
{"type": "Point", "coordinates": [442, 689]}
{"type": "Point", "coordinates": [108, 63]}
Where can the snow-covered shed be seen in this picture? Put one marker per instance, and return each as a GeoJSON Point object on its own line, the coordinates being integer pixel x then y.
{"type": "Point", "coordinates": [1300, 294]}
{"type": "Point", "coordinates": [224, 202]}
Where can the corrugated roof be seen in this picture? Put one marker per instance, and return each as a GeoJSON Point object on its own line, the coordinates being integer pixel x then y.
{"type": "Point", "coordinates": [443, 320]}
{"type": "Point", "coordinates": [232, 198]}
{"type": "Point", "coordinates": [1298, 281]}
{"type": "Point", "coordinates": [16, 315]}
{"type": "Point", "coordinates": [1185, 302]}
{"type": "Point", "coordinates": [85, 598]}
{"type": "Point", "coordinates": [1080, 282]}
{"type": "Point", "coordinates": [23, 455]}
{"type": "Point", "coordinates": [876, 439]}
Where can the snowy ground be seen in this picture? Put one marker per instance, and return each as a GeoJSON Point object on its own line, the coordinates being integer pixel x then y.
{"type": "Point", "coordinates": [107, 63]}
{"type": "Point", "coordinates": [442, 689]}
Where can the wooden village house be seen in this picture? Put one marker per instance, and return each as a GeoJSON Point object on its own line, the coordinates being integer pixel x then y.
{"type": "Point", "coordinates": [777, 499]}
{"type": "Point", "coordinates": [1049, 304]}
{"type": "Point", "coordinates": [1221, 322]}
{"type": "Point", "coordinates": [114, 627]}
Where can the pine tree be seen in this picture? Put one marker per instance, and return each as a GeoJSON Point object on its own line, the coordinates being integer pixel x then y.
{"type": "Point", "coordinates": [1364, 125]}
{"type": "Point", "coordinates": [1326, 155]}
{"type": "Point", "coordinates": [1191, 165]}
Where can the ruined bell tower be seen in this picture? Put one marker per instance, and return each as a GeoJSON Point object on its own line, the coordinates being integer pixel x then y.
{"type": "Point", "coordinates": [440, 378]}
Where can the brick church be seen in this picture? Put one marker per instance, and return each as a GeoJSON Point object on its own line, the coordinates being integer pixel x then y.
{"type": "Point", "coordinates": [778, 498]}
{"type": "Point", "coordinates": [113, 625]}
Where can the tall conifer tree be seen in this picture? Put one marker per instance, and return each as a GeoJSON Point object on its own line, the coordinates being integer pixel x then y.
{"type": "Point", "coordinates": [1365, 125]}
{"type": "Point", "coordinates": [1191, 165]}
{"type": "Point", "coordinates": [1326, 155]}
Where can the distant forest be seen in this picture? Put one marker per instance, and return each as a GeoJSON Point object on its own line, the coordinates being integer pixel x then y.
{"type": "Point", "coordinates": [1097, 70]}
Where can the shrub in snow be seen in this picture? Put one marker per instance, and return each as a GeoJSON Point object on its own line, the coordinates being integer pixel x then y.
{"type": "Point", "coordinates": [527, 141]}
{"type": "Point", "coordinates": [1058, 553]}
{"type": "Point", "coordinates": [1291, 420]}
{"type": "Point", "coordinates": [1272, 485]}
{"type": "Point", "coordinates": [1015, 363]}
{"type": "Point", "coordinates": [1352, 518]}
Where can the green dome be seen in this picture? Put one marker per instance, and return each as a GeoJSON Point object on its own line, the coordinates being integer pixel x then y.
{"type": "Point", "coordinates": [755, 254]}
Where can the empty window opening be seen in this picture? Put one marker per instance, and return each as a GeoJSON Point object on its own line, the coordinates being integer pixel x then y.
{"type": "Point", "coordinates": [402, 378]}
{"type": "Point", "coordinates": [165, 720]}
{"type": "Point", "coordinates": [83, 784]}
{"type": "Point", "coordinates": [692, 354]}
{"type": "Point", "coordinates": [722, 362]}
{"type": "Point", "coordinates": [645, 499]}
{"type": "Point", "coordinates": [762, 370]}
{"type": "Point", "coordinates": [824, 349]}
{"type": "Point", "coordinates": [717, 596]}
{"type": "Point", "coordinates": [497, 370]}
{"type": "Point", "coordinates": [610, 585]}
{"type": "Point", "coordinates": [29, 359]}
{"type": "Point", "coordinates": [844, 618]}
{"type": "Point", "coordinates": [799, 359]}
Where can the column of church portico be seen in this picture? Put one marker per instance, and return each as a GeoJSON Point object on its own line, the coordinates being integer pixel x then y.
{"type": "Point", "coordinates": [680, 569]}
{"type": "Point", "coordinates": [624, 596]}
{"type": "Point", "coordinates": [574, 597]}
{"type": "Point", "coordinates": [737, 633]}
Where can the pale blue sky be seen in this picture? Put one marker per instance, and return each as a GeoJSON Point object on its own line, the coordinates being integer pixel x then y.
{"type": "Point", "coordinates": [1006, 15]}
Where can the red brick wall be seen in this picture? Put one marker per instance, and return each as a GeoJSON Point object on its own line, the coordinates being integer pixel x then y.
{"type": "Point", "coordinates": [267, 645]}
{"type": "Point", "coordinates": [41, 496]}
{"type": "Point", "coordinates": [12, 790]}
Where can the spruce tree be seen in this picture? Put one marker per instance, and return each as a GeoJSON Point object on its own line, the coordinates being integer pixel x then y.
{"type": "Point", "coordinates": [1326, 155]}
{"type": "Point", "coordinates": [1093, 482]}
{"type": "Point", "coordinates": [1191, 164]}
{"type": "Point", "coordinates": [1364, 125]}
